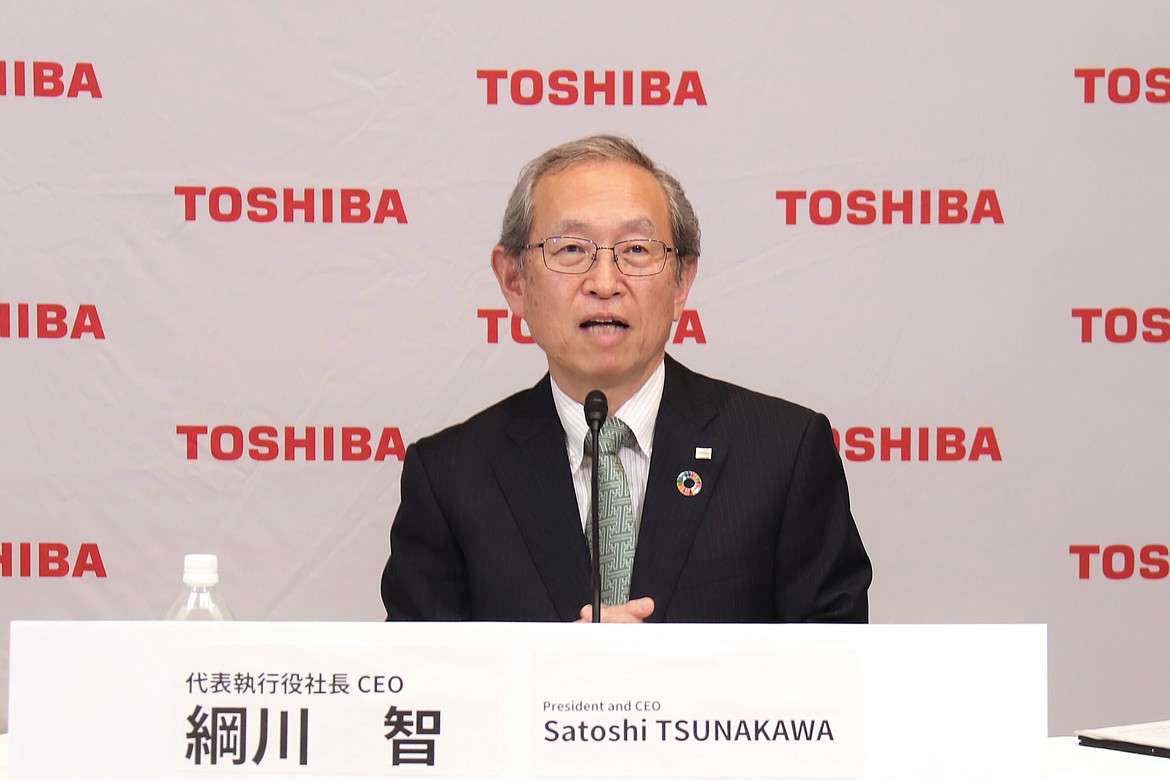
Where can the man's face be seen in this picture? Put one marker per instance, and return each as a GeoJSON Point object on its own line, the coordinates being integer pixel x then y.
{"type": "Point", "coordinates": [601, 329]}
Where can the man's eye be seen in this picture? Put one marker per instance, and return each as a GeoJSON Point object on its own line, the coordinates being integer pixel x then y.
{"type": "Point", "coordinates": [570, 249]}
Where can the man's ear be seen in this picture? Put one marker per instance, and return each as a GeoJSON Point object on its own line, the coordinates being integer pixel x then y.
{"type": "Point", "coordinates": [511, 278]}
{"type": "Point", "coordinates": [683, 286]}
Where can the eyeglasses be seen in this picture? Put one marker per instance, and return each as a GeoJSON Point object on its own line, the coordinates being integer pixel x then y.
{"type": "Point", "coordinates": [572, 255]}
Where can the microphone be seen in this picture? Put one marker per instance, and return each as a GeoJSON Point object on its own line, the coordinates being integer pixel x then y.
{"type": "Point", "coordinates": [596, 410]}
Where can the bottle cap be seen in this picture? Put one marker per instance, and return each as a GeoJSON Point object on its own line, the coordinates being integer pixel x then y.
{"type": "Point", "coordinates": [200, 569]}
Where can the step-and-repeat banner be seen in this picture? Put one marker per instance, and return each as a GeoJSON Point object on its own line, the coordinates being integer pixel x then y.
{"type": "Point", "coordinates": [244, 263]}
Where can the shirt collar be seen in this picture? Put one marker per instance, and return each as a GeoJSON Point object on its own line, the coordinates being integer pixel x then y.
{"type": "Point", "coordinates": [640, 413]}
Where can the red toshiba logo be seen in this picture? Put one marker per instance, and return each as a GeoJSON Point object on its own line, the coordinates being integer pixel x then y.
{"type": "Point", "coordinates": [49, 321]}
{"type": "Point", "coordinates": [1121, 326]}
{"type": "Point", "coordinates": [1121, 562]}
{"type": "Point", "coordinates": [310, 443]}
{"type": "Point", "coordinates": [944, 443]}
{"type": "Point", "coordinates": [889, 207]}
{"type": "Point", "coordinates": [688, 328]}
{"type": "Point", "coordinates": [50, 559]}
{"type": "Point", "coordinates": [593, 87]}
{"type": "Point", "coordinates": [47, 79]}
{"type": "Point", "coordinates": [268, 204]}
{"type": "Point", "coordinates": [1125, 85]}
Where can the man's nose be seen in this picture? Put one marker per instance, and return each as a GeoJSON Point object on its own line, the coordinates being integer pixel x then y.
{"type": "Point", "coordinates": [604, 277]}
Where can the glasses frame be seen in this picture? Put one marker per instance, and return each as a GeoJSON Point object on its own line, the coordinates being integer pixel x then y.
{"type": "Point", "coordinates": [668, 250]}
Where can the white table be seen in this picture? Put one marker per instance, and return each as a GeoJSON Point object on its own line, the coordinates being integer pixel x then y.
{"type": "Point", "coordinates": [1064, 760]}
{"type": "Point", "coordinates": [1067, 760]}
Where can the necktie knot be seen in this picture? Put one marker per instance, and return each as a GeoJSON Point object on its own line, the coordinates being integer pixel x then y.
{"type": "Point", "coordinates": [615, 434]}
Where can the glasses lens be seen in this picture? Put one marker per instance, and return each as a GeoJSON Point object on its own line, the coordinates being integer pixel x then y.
{"type": "Point", "coordinates": [568, 254]}
{"type": "Point", "coordinates": [642, 257]}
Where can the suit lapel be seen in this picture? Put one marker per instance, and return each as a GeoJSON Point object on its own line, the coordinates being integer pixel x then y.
{"type": "Point", "coordinates": [671, 519]}
{"type": "Point", "coordinates": [533, 473]}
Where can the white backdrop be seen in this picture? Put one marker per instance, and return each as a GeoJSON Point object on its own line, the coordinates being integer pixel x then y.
{"type": "Point", "coordinates": [134, 311]}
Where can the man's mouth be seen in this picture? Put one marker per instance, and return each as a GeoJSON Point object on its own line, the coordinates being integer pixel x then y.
{"type": "Point", "coordinates": [604, 325]}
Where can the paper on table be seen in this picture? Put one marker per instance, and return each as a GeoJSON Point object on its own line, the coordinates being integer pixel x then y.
{"type": "Point", "coordinates": [1149, 738]}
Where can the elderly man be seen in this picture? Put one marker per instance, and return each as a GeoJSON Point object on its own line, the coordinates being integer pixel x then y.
{"type": "Point", "coordinates": [719, 504]}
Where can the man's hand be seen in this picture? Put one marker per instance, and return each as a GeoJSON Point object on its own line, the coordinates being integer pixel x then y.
{"type": "Point", "coordinates": [635, 611]}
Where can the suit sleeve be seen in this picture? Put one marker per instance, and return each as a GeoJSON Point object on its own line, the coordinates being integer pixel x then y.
{"type": "Point", "coordinates": [822, 574]}
{"type": "Point", "coordinates": [426, 576]}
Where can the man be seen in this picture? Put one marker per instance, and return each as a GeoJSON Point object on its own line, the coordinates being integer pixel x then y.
{"type": "Point", "coordinates": [722, 505]}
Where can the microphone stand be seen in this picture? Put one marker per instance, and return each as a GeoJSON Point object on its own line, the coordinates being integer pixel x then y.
{"type": "Point", "coordinates": [596, 523]}
{"type": "Point", "coordinates": [596, 410]}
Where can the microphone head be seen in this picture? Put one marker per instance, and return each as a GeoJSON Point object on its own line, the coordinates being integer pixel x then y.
{"type": "Point", "coordinates": [596, 408]}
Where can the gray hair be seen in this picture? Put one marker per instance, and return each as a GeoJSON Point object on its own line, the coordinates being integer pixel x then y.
{"type": "Point", "coordinates": [684, 225]}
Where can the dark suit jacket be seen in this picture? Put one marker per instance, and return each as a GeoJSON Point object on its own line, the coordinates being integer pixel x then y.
{"type": "Point", "coordinates": [489, 529]}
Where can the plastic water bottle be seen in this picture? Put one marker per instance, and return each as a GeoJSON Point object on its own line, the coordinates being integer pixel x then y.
{"type": "Point", "coordinates": [201, 600]}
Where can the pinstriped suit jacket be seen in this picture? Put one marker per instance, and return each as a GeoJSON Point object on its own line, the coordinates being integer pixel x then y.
{"type": "Point", "coordinates": [488, 527]}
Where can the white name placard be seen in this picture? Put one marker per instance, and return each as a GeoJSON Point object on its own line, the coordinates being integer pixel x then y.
{"type": "Point", "coordinates": [719, 713]}
{"type": "Point", "coordinates": [348, 708]}
{"type": "Point", "coordinates": [175, 700]}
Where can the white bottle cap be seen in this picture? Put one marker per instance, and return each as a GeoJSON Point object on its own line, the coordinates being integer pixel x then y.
{"type": "Point", "coordinates": [200, 569]}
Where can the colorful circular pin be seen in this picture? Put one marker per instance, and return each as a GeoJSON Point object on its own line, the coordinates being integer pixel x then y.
{"type": "Point", "coordinates": [689, 483]}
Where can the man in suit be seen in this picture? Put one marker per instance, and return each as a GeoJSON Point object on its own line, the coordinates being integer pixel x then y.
{"type": "Point", "coordinates": [724, 505]}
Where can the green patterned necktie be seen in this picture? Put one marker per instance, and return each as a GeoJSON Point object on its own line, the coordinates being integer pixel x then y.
{"type": "Point", "coordinates": [615, 512]}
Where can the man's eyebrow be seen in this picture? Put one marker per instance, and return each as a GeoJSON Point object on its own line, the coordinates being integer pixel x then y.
{"type": "Point", "coordinates": [577, 227]}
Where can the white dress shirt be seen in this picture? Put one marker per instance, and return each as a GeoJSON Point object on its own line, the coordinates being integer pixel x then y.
{"type": "Point", "coordinates": [639, 413]}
